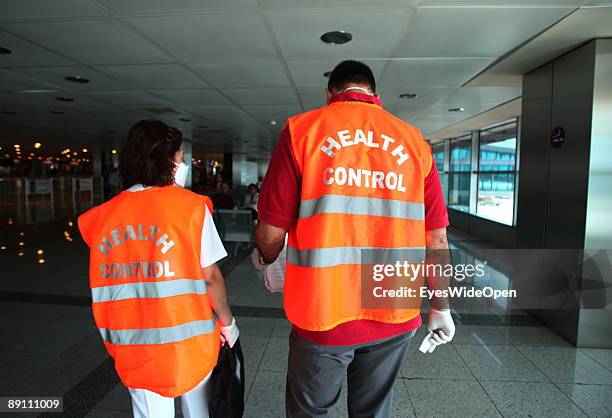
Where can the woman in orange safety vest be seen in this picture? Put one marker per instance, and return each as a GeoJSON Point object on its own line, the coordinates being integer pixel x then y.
{"type": "Point", "coordinates": [159, 299]}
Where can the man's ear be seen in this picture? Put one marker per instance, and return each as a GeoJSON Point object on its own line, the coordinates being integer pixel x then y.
{"type": "Point", "coordinates": [329, 94]}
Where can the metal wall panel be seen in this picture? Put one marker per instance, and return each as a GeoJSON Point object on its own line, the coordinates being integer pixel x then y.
{"type": "Point", "coordinates": [533, 179]}
{"type": "Point", "coordinates": [595, 323]}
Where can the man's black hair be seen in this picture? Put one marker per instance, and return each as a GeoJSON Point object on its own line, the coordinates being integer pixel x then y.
{"type": "Point", "coordinates": [351, 72]}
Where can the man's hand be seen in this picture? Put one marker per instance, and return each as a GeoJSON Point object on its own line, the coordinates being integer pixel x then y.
{"type": "Point", "coordinates": [440, 330]}
{"type": "Point", "coordinates": [230, 333]}
{"type": "Point", "coordinates": [256, 260]}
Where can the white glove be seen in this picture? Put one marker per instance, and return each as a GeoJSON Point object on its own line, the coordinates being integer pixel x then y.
{"type": "Point", "coordinates": [441, 330]}
{"type": "Point", "coordinates": [255, 258]}
{"type": "Point", "coordinates": [230, 333]}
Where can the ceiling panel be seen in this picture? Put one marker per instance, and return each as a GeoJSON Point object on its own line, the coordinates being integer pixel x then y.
{"type": "Point", "coordinates": [193, 97]}
{"type": "Point", "coordinates": [151, 76]}
{"type": "Point", "coordinates": [326, 4]}
{"type": "Point", "coordinates": [243, 73]}
{"type": "Point", "coordinates": [312, 96]}
{"type": "Point", "coordinates": [49, 100]}
{"type": "Point", "coordinates": [55, 76]}
{"type": "Point", "coordinates": [479, 96]}
{"type": "Point", "coordinates": [209, 111]}
{"type": "Point", "coordinates": [206, 37]}
{"type": "Point", "coordinates": [369, 40]}
{"type": "Point", "coordinates": [137, 7]}
{"type": "Point", "coordinates": [12, 82]}
{"type": "Point", "coordinates": [505, 3]}
{"type": "Point", "coordinates": [277, 113]}
{"type": "Point", "coordinates": [134, 99]}
{"type": "Point", "coordinates": [433, 72]}
{"type": "Point", "coordinates": [309, 73]}
{"type": "Point", "coordinates": [93, 42]}
{"type": "Point", "coordinates": [25, 53]}
{"type": "Point", "coordinates": [408, 112]}
{"type": "Point", "coordinates": [274, 95]}
{"type": "Point", "coordinates": [45, 9]}
{"type": "Point", "coordinates": [474, 32]}
{"type": "Point", "coordinates": [389, 94]}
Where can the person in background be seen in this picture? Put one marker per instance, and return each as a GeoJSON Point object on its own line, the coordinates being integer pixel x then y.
{"type": "Point", "coordinates": [395, 214]}
{"type": "Point", "coordinates": [223, 199]}
{"type": "Point", "coordinates": [159, 299]}
{"type": "Point", "coordinates": [250, 199]}
{"type": "Point", "coordinates": [218, 183]}
{"type": "Point", "coordinates": [259, 182]}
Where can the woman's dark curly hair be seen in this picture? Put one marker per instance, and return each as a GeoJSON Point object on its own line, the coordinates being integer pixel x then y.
{"type": "Point", "coordinates": [147, 157]}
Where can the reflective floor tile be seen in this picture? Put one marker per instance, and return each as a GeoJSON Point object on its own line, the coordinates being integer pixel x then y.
{"type": "Point", "coordinates": [253, 350]}
{"type": "Point", "coordinates": [602, 356]}
{"type": "Point", "coordinates": [261, 327]}
{"type": "Point", "coordinates": [108, 413]}
{"type": "Point", "coordinates": [532, 336]}
{"type": "Point", "coordinates": [594, 400]}
{"type": "Point", "coordinates": [267, 396]}
{"type": "Point", "coordinates": [479, 334]}
{"type": "Point", "coordinates": [567, 365]}
{"type": "Point", "coordinates": [117, 399]}
{"type": "Point", "coordinates": [524, 399]}
{"type": "Point", "coordinates": [499, 363]}
{"type": "Point", "coordinates": [282, 328]}
{"type": "Point", "coordinates": [443, 363]}
{"type": "Point", "coordinates": [449, 398]}
{"type": "Point", "coordinates": [275, 355]}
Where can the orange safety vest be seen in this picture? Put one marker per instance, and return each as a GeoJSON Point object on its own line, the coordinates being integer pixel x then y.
{"type": "Point", "coordinates": [149, 294]}
{"type": "Point", "coordinates": [362, 199]}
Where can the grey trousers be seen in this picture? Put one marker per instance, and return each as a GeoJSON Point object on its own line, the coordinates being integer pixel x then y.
{"type": "Point", "coordinates": [315, 373]}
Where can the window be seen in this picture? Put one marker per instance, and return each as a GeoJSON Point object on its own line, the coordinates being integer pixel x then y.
{"type": "Point", "coordinates": [438, 154]}
{"type": "Point", "coordinates": [497, 173]}
{"type": "Point", "coordinates": [459, 174]}
{"type": "Point", "coordinates": [437, 151]}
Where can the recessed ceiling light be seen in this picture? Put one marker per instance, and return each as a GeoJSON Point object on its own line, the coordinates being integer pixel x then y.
{"type": "Point", "coordinates": [336, 37]}
{"type": "Point", "coordinates": [203, 126]}
{"type": "Point", "coordinates": [65, 99]}
{"type": "Point", "coordinates": [5, 51]}
{"type": "Point", "coordinates": [9, 112]}
{"type": "Point", "coordinates": [77, 79]}
{"type": "Point", "coordinates": [272, 122]}
{"type": "Point", "coordinates": [57, 112]}
{"type": "Point", "coordinates": [408, 95]}
{"type": "Point", "coordinates": [184, 120]}
{"type": "Point", "coordinates": [456, 109]}
{"type": "Point", "coordinates": [326, 74]}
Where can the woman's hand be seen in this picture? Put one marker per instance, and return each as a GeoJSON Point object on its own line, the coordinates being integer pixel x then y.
{"type": "Point", "coordinates": [230, 333]}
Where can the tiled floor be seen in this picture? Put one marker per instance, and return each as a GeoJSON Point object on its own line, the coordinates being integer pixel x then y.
{"type": "Point", "coordinates": [49, 346]}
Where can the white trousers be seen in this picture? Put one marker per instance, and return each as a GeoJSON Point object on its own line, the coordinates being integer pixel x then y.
{"type": "Point", "coordinates": [194, 404]}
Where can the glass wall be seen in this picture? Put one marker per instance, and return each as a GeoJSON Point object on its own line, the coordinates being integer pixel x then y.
{"type": "Point", "coordinates": [497, 173]}
{"type": "Point", "coordinates": [437, 151]}
{"type": "Point", "coordinates": [485, 182]}
{"type": "Point", "coordinates": [459, 173]}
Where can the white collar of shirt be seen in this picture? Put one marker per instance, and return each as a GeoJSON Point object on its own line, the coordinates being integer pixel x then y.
{"type": "Point", "coordinates": [137, 188]}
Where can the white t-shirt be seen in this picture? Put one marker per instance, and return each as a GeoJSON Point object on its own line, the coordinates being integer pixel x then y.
{"type": "Point", "coordinates": [212, 249]}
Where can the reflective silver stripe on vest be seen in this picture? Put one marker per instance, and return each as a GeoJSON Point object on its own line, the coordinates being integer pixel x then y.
{"type": "Point", "coordinates": [327, 257]}
{"type": "Point", "coordinates": [158, 335]}
{"type": "Point", "coordinates": [354, 205]}
{"type": "Point", "coordinates": [149, 290]}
